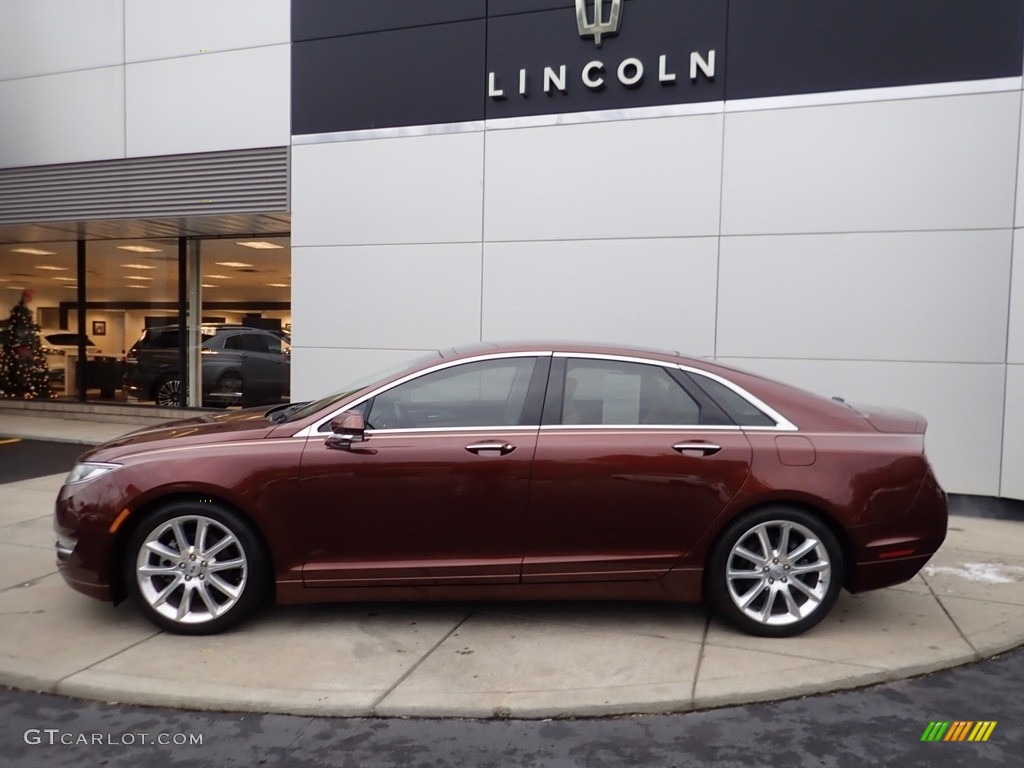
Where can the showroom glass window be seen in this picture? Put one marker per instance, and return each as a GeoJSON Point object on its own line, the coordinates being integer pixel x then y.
{"type": "Point", "coordinates": [246, 321]}
{"type": "Point", "coordinates": [130, 286]}
{"type": "Point", "coordinates": [487, 393]}
{"type": "Point", "coordinates": [48, 270]}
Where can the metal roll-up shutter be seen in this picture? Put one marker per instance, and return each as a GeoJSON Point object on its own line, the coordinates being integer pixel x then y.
{"type": "Point", "coordinates": [211, 183]}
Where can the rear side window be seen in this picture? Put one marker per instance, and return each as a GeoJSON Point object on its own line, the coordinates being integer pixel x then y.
{"type": "Point", "coordinates": [624, 393]}
{"type": "Point", "coordinates": [739, 409]}
{"type": "Point", "coordinates": [163, 339]}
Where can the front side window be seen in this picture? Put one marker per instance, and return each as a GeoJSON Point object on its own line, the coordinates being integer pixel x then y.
{"type": "Point", "coordinates": [488, 393]}
{"type": "Point", "coordinates": [621, 393]}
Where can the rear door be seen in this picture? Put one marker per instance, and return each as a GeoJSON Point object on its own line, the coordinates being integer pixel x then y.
{"type": "Point", "coordinates": [630, 470]}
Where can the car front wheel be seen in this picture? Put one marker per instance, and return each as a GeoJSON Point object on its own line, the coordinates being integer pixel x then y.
{"type": "Point", "coordinates": [195, 568]}
{"type": "Point", "coordinates": [776, 572]}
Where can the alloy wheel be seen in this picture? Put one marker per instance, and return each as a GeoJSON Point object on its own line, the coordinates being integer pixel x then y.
{"type": "Point", "coordinates": [168, 393]}
{"type": "Point", "coordinates": [778, 573]}
{"type": "Point", "coordinates": [191, 569]}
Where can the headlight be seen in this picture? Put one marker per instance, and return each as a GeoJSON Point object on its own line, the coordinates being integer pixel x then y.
{"type": "Point", "coordinates": [89, 470]}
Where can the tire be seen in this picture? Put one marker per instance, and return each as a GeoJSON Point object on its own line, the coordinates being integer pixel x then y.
{"type": "Point", "coordinates": [776, 572]}
{"type": "Point", "coordinates": [179, 589]}
{"type": "Point", "coordinates": [167, 392]}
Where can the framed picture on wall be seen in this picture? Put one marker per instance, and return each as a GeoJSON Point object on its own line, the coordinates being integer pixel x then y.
{"type": "Point", "coordinates": [99, 327]}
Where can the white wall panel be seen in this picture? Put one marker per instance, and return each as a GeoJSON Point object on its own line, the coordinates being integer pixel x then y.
{"type": "Point", "coordinates": [938, 163]}
{"type": "Point", "coordinates": [926, 296]}
{"type": "Point", "coordinates": [656, 293]}
{"type": "Point", "coordinates": [398, 297]}
{"type": "Point", "coordinates": [234, 100]}
{"type": "Point", "coordinates": [42, 37]}
{"type": "Point", "coordinates": [423, 189]}
{"type": "Point", "coordinates": [67, 118]}
{"type": "Point", "coordinates": [1019, 214]}
{"type": "Point", "coordinates": [963, 405]}
{"type": "Point", "coordinates": [1015, 347]}
{"type": "Point", "coordinates": [1013, 434]}
{"type": "Point", "coordinates": [319, 371]}
{"type": "Point", "coordinates": [634, 178]}
{"type": "Point", "coordinates": [157, 29]}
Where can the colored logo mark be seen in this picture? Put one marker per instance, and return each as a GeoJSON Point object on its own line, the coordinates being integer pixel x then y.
{"type": "Point", "coordinates": [959, 730]}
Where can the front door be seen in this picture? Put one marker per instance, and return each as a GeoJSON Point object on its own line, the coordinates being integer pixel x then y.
{"type": "Point", "coordinates": [437, 494]}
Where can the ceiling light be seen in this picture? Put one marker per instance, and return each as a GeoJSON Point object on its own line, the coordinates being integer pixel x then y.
{"type": "Point", "coordinates": [135, 285]}
{"type": "Point", "coordinates": [139, 249]}
{"type": "Point", "coordinates": [66, 279]}
{"type": "Point", "coordinates": [15, 287]}
{"type": "Point", "coordinates": [51, 267]}
{"type": "Point", "coordinates": [33, 252]}
{"type": "Point", "coordinates": [209, 285]}
{"type": "Point", "coordinates": [260, 245]}
{"type": "Point", "coordinates": [218, 277]}
{"type": "Point", "coordinates": [236, 264]}
{"type": "Point", "coordinates": [137, 277]}
{"type": "Point", "coordinates": [279, 285]}
{"type": "Point", "coordinates": [139, 266]}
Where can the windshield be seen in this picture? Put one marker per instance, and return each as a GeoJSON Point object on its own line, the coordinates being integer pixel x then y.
{"type": "Point", "coordinates": [302, 410]}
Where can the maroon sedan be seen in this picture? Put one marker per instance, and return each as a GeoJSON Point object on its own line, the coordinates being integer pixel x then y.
{"type": "Point", "coordinates": [511, 472]}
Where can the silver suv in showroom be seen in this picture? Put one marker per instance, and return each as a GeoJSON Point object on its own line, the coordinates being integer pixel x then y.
{"type": "Point", "coordinates": [241, 366]}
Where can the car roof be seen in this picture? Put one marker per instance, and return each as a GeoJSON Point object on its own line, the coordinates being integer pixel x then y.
{"type": "Point", "coordinates": [563, 346]}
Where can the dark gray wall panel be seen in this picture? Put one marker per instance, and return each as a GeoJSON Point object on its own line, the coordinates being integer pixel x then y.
{"type": "Point", "coordinates": [350, 79]}
{"type": "Point", "coordinates": [506, 7]}
{"type": "Point", "coordinates": [416, 76]}
{"type": "Point", "coordinates": [314, 19]}
{"type": "Point", "coordinates": [779, 47]}
{"type": "Point", "coordinates": [649, 28]}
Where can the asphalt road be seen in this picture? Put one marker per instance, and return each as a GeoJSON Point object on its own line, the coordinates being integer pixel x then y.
{"type": "Point", "coordinates": [880, 726]}
{"type": "Point", "coordinates": [25, 459]}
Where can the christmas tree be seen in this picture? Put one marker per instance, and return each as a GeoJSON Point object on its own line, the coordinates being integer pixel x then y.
{"type": "Point", "coordinates": [23, 370]}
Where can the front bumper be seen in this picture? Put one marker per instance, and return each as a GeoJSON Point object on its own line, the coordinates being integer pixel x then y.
{"type": "Point", "coordinates": [83, 548]}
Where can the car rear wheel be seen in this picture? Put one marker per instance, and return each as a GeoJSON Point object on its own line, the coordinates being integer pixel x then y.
{"type": "Point", "coordinates": [168, 392]}
{"type": "Point", "coordinates": [776, 572]}
{"type": "Point", "coordinates": [195, 568]}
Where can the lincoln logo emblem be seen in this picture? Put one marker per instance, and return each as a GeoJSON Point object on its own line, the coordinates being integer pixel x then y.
{"type": "Point", "coordinates": [600, 25]}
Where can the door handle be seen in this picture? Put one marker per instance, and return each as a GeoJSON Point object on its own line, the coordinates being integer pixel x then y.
{"type": "Point", "coordinates": [489, 447]}
{"type": "Point", "coordinates": [706, 449]}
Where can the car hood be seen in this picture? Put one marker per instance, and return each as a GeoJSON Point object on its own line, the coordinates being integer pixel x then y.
{"type": "Point", "coordinates": [205, 428]}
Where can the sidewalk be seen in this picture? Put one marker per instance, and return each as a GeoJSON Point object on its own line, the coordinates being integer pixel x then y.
{"type": "Point", "coordinates": [487, 659]}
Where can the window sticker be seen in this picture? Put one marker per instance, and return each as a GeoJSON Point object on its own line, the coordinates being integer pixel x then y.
{"type": "Point", "coordinates": [621, 398]}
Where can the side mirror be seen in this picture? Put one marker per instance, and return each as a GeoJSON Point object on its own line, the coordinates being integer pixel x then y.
{"type": "Point", "coordinates": [348, 428]}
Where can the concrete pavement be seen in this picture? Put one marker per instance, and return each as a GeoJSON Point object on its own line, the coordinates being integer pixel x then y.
{"type": "Point", "coordinates": [486, 659]}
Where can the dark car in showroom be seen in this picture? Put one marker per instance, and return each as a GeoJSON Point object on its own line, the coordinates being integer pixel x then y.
{"type": "Point", "coordinates": [240, 366]}
{"type": "Point", "coordinates": [523, 471]}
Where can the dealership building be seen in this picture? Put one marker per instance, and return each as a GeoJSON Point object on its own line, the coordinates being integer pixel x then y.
{"type": "Point", "coordinates": [822, 191]}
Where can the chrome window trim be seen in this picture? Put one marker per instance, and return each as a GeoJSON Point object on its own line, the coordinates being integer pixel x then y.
{"type": "Point", "coordinates": [648, 427]}
{"type": "Point", "coordinates": [313, 430]}
{"type": "Point", "coordinates": [782, 424]}
{"type": "Point", "coordinates": [454, 430]}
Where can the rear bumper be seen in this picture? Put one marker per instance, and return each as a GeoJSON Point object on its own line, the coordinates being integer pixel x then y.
{"type": "Point", "coordinates": [895, 551]}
